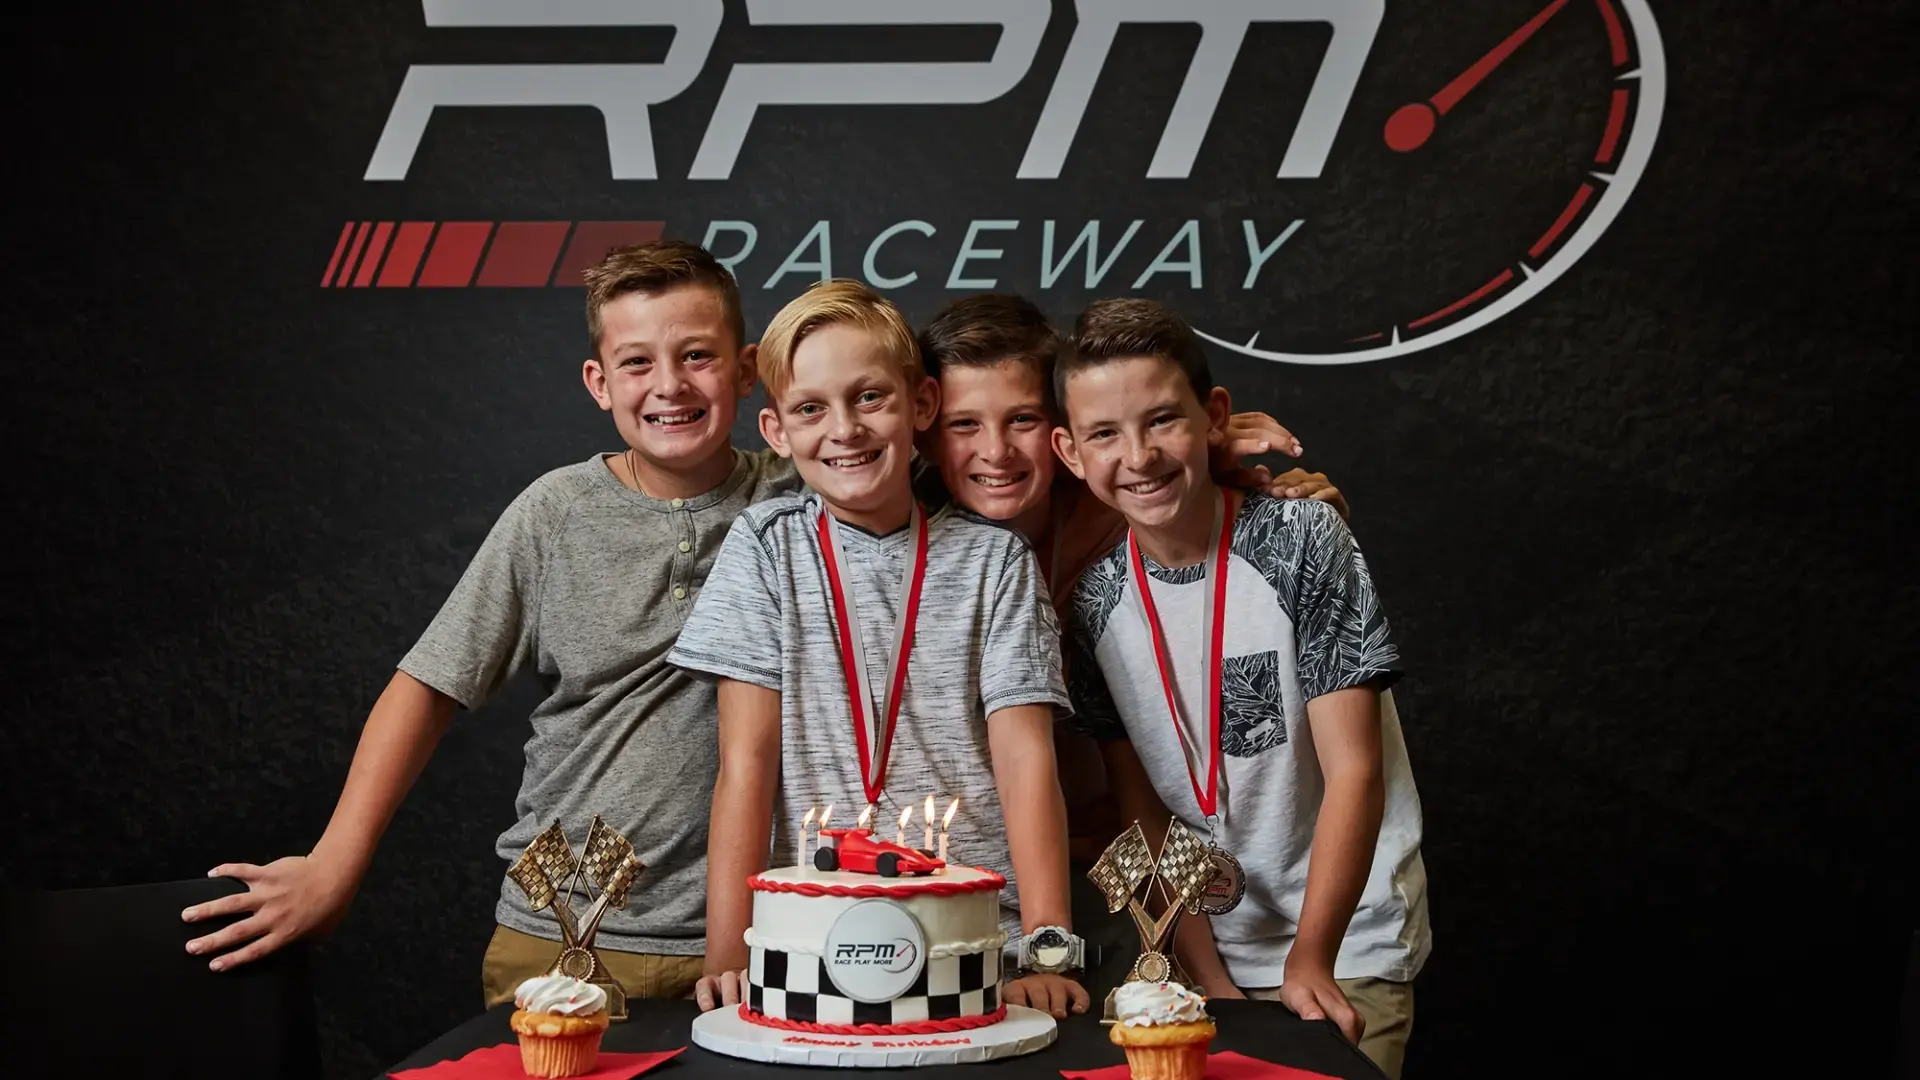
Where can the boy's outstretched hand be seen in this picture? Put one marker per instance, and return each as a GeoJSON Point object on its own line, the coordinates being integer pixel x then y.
{"type": "Point", "coordinates": [1317, 997]}
{"type": "Point", "coordinates": [726, 988]}
{"type": "Point", "coordinates": [1052, 994]}
{"type": "Point", "coordinates": [286, 900]}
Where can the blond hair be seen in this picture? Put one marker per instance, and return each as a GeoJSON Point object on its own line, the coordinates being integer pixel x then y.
{"type": "Point", "coordinates": [833, 303]}
{"type": "Point", "coordinates": [656, 267]}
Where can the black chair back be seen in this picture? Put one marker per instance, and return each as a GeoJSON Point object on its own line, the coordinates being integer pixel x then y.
{"type": "Point", "coordinates": [107, 971]}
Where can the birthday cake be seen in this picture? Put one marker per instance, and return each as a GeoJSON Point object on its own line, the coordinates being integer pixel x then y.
{"type": "Point", "coordinates": [874, 939]}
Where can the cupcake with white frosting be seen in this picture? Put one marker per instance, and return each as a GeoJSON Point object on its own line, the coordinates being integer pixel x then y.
{"type": "Point", "coordinates": [1164, 1029]}
{"type": "Point", "coordinates": [559, 1020]}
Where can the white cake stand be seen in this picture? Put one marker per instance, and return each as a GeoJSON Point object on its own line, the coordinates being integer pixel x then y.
{"type": "Point", "coordinates": [724, 1031]}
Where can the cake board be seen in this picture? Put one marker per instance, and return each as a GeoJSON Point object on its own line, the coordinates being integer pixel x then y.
{"type": "Point", "coordinates": [725, 1031]}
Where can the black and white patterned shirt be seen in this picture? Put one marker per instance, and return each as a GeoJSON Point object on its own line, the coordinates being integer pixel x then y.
{"type": "Point", "coordinates": [1302, 621]}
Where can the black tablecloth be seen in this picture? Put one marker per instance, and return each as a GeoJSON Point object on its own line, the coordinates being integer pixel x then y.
{"type": "Point", "coordinates": [1254, 1028]}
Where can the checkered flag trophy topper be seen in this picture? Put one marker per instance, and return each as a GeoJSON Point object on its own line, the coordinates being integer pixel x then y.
{"type": "Point", "coordinates": [1179, 875]}
{"type": "Point", "coordinates": [549, 874]}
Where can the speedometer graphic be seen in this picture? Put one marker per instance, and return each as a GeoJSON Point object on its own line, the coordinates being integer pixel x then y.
{"type": "Point", "coordinates": [1569, 98]}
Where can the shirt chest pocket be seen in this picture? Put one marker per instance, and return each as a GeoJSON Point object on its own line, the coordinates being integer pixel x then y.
{"type": "Point", "coordinates": [1252, 712]}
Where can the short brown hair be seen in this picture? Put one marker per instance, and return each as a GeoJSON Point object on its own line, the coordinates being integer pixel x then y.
{"type": "Point", "coordinates": [992, 328]}
{"type": "Point", "coordinates": [1122, 329]}
{"type": "Point", "coordinates": [655, 267]}
{"type": "Point", "coordinates": [830, 303]}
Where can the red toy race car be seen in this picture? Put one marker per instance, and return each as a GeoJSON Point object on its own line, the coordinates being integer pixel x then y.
{"type": "Point", "coordinates": [856, 851]}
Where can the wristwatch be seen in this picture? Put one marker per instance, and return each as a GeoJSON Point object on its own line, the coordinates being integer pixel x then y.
{"type": "Point", "coordinates": [1050, 950]}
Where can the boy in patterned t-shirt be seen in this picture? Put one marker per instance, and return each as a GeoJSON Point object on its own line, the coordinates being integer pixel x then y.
{"type": "Point", "coordinates": [1242, 691]}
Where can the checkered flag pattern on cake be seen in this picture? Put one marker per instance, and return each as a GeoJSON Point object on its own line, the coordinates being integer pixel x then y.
{"type": "Point", "coordinates": [1122, 867]}
{"type": "Point", "coordinates": [796, 986]}
{"type": "Point", "coordinates": [1183, 866]}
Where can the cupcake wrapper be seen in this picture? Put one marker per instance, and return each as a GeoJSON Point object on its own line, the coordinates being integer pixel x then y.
{"type": "Point", "coordinates": [575, 1055]}
{"type": "Point", "coordinates": [1187, 1061]}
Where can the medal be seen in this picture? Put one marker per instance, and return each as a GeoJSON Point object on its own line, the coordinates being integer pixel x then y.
{"type": "Point", "coordinates": [1228, 883]}
{"type": "Point", "coordinates": [873, 721]}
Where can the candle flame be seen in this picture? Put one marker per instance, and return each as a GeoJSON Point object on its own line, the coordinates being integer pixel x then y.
{"type": "Point", "coordinates": [948, 818]}
{"type": "Point", "coordinates": [825, 814]}
{"type": "Point", "coordinates": [865, 816]}
{"type": "Point", "coordinates": [808, 820]}
{"type": "Point", "coordinates": [929, 811]}
{"type": "Point", "coordinates": [906, 817]}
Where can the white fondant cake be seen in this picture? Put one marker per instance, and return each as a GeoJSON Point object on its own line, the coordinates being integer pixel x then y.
{"type": "Point", "coordinates": [833, 950]}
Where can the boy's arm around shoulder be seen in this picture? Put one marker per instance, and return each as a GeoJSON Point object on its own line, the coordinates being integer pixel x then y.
{"type": "Point", "coordinates": [481, 635]}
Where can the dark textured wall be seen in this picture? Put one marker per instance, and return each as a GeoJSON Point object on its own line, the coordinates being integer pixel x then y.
{"type": "Point", "coordinates": [1647, 541]}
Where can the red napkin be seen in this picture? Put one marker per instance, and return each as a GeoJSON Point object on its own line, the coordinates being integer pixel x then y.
{"type": "Point", "coordinates": [1225, 1065]}
{"type": "Point", "coordinates": [503, 1063]}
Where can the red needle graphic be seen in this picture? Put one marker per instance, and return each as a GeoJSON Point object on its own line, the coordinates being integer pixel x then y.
{"type": "Point", "coordinates": [1411, 125]}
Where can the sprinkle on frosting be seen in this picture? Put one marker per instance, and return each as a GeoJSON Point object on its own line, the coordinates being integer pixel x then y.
{"type": "Point", "coordinates": [559, 995]}
{"type": "Point", "coordinates": [1145, 1004]}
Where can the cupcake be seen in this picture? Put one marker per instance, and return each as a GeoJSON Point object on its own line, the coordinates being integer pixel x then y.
{"type": "Point", "coordinates": [1164, 1029]}
{"type": "Point", "coordinates": [559, 1020]}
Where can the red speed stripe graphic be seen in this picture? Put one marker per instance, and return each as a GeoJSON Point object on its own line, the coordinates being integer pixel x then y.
{"type": "Point", "coordinates": [447, 254]}
{"type": "Point", "coordinates": [404, 258]}
{"type": "Point", "coordinates": [376, 247]}
{"type": "Point", "coordinates": [593, 239]}
{"type": "Point", "coordinates": [523, 253]}
{"type": "Point", "coordinates": [339, 248]}
{"type": "Point", "coordinates": [456, 251]}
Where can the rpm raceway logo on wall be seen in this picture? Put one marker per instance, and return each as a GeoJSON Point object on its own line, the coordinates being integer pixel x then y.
{"type": "Point", "coordinates": [1335, 182]}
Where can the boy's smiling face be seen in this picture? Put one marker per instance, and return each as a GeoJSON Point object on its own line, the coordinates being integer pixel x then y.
{"type": "Point", "coordinates": [672, 375]}
{"type": "Point", "coordinates": [1138, 436]}
{"type": "Point", "coordinates": [847, 418]}
{"type": "Point", "coordinates": [994, 438]}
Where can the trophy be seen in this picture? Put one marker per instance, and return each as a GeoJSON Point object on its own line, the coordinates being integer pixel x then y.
{"type": "Point", "coordinates": [1179, 876]}
{"type": "Point", "coordinates": [549, 874]}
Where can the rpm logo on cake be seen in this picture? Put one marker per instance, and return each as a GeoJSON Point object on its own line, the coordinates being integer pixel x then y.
{"type": "Point", "coordinates": [875, 951]}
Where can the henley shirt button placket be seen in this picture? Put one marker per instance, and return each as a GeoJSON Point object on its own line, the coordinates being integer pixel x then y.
{"type": "Point", "coordinates": [679, 593]}
{"type": "Point", "coordinates": [677, 503]}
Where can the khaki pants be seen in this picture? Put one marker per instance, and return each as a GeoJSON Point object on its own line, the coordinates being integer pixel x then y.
{"type": "Point", "coordinates": [1387, 1009]}
{"type": "Point", "coordinates": [514, 957]}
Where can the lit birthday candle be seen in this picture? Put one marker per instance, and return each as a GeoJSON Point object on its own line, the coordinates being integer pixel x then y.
{"type": "Point", "coordinates": [865, 816]}
{"type": "Point", "coordinates": [927, 844]}
{"type": "Point", "coordinates": [945, 821]}
{"type": "Point", "coordinates": [804, 823]}
{"type": "Point", "coordinates": [900, 831]}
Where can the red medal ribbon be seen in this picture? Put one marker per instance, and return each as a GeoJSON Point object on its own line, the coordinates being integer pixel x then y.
{"type": "Point", "coordinates": [1221, 553]}
{"type": "Point", "coordinates": [874, 742]}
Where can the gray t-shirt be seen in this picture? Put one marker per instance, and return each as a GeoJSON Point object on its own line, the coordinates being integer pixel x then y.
{"type": "Point", "coordinates": [1302, 620]}
{"type": "Point", "coordinates": [985, 641]}
{"type": "Point", "coordinates": [587, 582]}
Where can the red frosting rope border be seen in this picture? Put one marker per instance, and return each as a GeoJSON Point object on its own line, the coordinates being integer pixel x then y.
{"type": "Point", "coordinates": [991, 883]}
{"type": "Point", "coordinates": [916, 1027]}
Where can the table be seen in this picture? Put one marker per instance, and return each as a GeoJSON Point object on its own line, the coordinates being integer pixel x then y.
{"type": "Point", "coordinates": [1258, 1029]}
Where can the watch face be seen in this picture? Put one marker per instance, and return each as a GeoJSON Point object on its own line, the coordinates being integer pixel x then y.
{"type": "Point", "coordinates": [1049, 939]}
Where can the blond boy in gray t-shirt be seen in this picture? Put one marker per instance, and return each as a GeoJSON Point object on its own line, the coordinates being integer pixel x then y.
{"type": "Point", "coordinates": [815, 599]}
